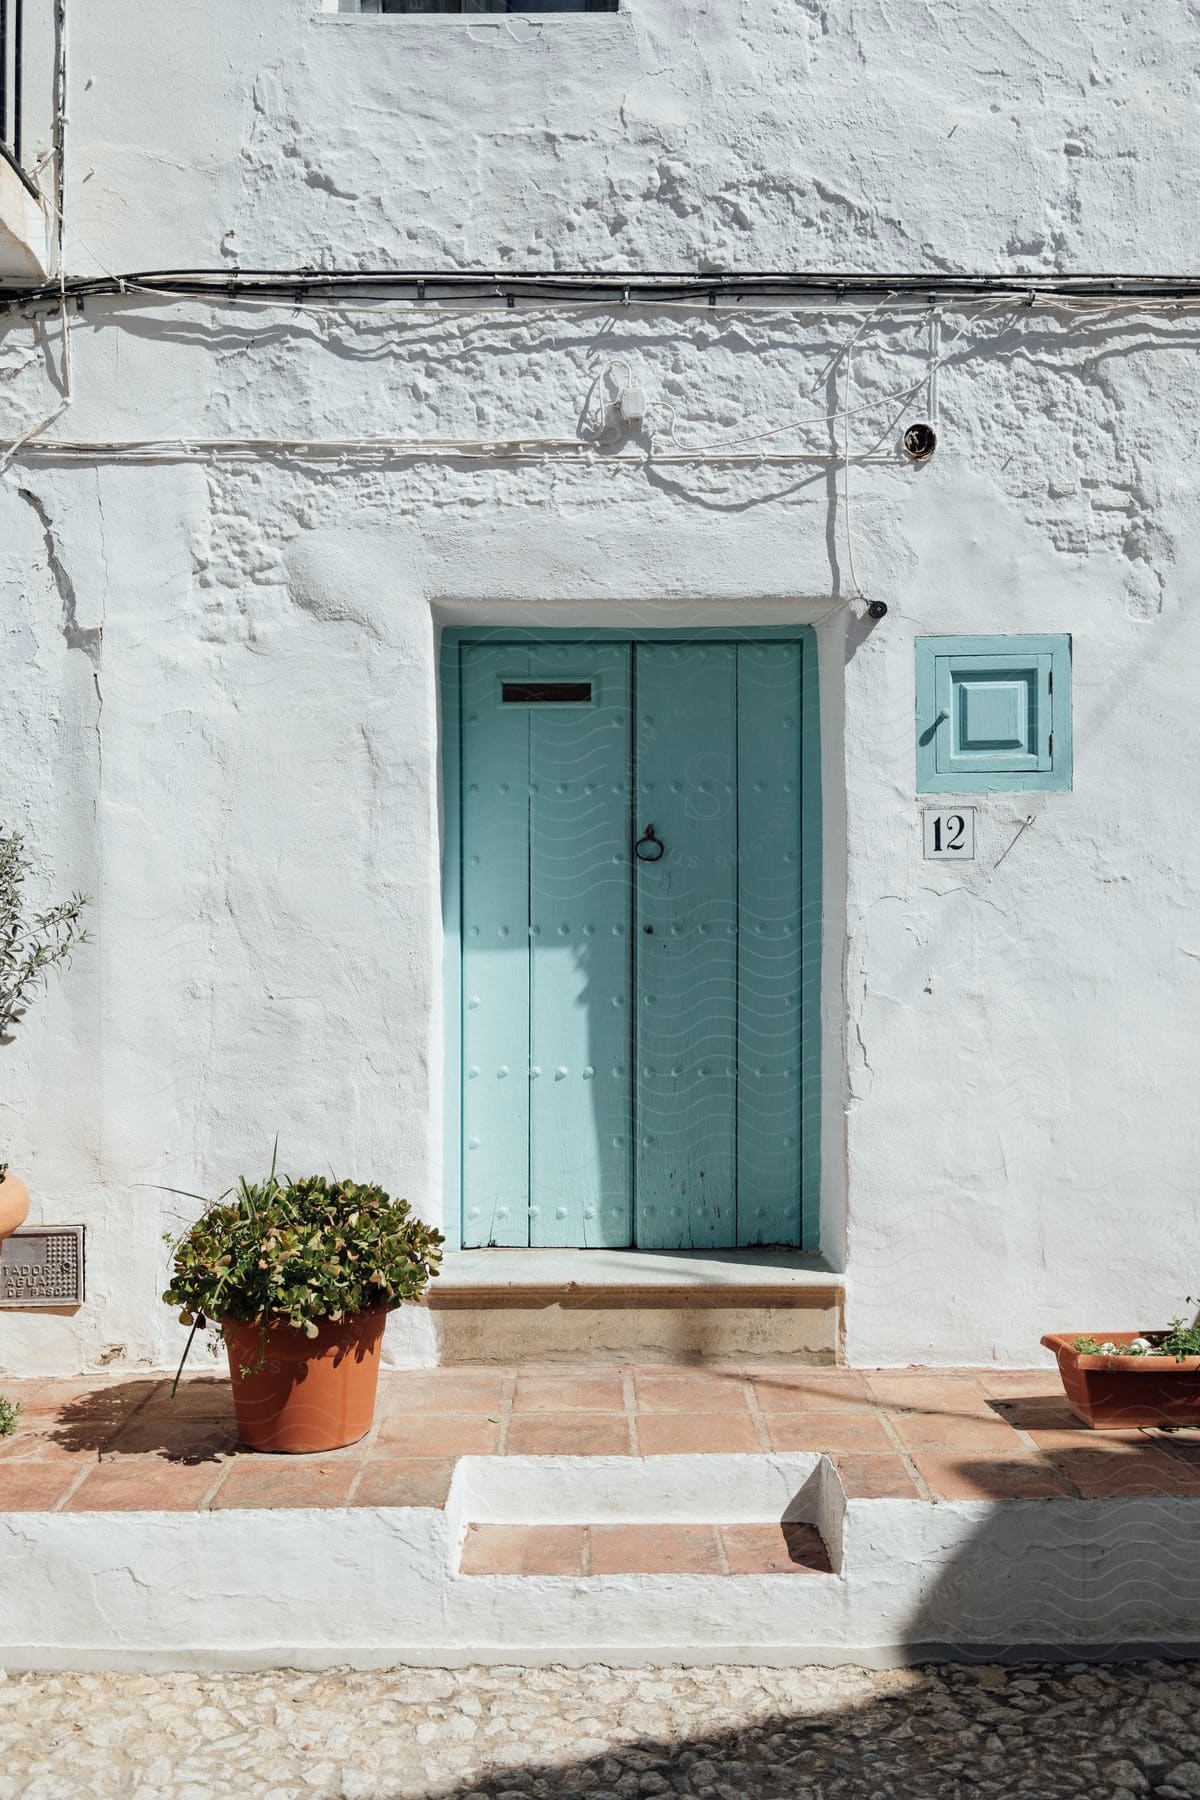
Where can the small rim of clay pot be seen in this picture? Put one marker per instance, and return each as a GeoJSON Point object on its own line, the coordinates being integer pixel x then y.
{"type": "Point", "coordinates": [1063, 1345]}
{"type": "Point", "coordinates": [325, 1326]}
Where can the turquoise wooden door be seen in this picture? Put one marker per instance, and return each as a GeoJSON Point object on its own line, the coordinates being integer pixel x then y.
{"type": "Point", "coordinates": [638, 997]}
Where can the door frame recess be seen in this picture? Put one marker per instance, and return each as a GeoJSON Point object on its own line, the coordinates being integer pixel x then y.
{"type": "Point", "coordinates": [453, 638]}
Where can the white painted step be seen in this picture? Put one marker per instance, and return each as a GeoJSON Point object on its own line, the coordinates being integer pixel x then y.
{"type": "Point", "coordinates": [368, 1587]}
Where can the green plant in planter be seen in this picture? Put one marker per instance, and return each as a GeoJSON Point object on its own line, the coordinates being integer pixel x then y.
{"type": "Point", "coordinates": [1179, 1340]}
{"type": "Point", "coordinates": [297, 1252]}
{"type": "Point", "coordinates": [30, 944]}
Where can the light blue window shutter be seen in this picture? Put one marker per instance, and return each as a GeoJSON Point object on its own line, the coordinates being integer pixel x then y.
{"type": "Point", "coordinates": [993, 713]}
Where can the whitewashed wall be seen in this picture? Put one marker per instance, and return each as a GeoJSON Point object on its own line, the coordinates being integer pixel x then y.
{"type": "Point", "coordinates": [219, 683]}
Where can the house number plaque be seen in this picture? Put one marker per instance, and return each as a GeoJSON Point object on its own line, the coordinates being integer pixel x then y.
{"type": "Point", "coordinates": [949, 832]}
{"type": "Point", "coordinates": [42, 1267]}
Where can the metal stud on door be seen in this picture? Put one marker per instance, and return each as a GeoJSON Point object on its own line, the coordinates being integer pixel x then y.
{"type": "Point", "coordinates": [546, 1101]}
{"type": "Point", "coordinates": [579, 1092]}
{"type": "Point", "coordinates": [495, 939]}
{"type": "Point", "coordinates": [686, 937]}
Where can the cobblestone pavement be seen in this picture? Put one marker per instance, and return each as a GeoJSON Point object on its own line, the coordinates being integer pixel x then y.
{"type": "Point", "coordinates": [709, 1734]}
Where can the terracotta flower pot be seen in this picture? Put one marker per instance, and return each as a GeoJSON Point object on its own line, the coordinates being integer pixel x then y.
{"type": "Point", "coordinates": [1114, 1393]}
{"type": "Point", "coordinates": [311, 1393]}
{"type": "Point", "coordinates": [14, 1205]}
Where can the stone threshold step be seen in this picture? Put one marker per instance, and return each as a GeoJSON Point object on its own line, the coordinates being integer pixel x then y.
{"type": "Point", "coordinates": [637, 1277]}
{"type": "Point", "coordinates": [514, 1306]}
{"type": "Point", "coordinates": [644, 1549]}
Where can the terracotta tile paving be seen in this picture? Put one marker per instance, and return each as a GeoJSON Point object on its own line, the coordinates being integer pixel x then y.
{"type": "Point", "coordinates": [1071, 1436]}
{"type": "Point", "coordinates": [458, 1390]}
{"type": "Point", "coordinates": [403, 1481]}
{"type": "Point", "coordinates": [828, 1431]}
{"type": "Point", "coordinates": [1024, 1383]}
{"type": "Point", "coordinates": [38, 1441]}
{"type": "Point", "coordinates": [270, 1481]}
{"type": "Point", "coordinates": [173, 1441]}
{"type": "Point", "coordinates": [439, 1434]}
{"type": "Point", "coordinates": [1036, 1412]}
{"type": "Point", "coordinates": [569, 1434]}
{"type": "Point", "coordinates": [811, 1390]}
{"type": "Point", "coordinates": [136, 1486]}
{"type": "Point", "coordinates": [655, 1550]}
{"type": "Point", "coordinates": [949, 1431]}
{"type": "Point", "coordinates": [1185, 1445]}
{"type": "Point", "coordinates": [929, 1391]}
{"type": "Point", "coordinates": [685, 1391]}
{"type": "Point", "coordinates": [523, 1550]}
{"type": "Point", "coordinates": [636, 1549]}
{"type": "Point", "coordinates": [110, 1442]}
{"type": "Point", "coordinates": [1105, 1475]}
{"type": "Point", "coordinates": [774, 1550]}
{"type": "Point", "coordinates": [876, 1477]}
{"type": "Point", "coordinates": [36, 1487]}
{"type": "Point", "coordinates": [570, 1393]}
{"type": "Point", "coordinates": [687, 1434]}
{"type": "Point", "coordinates": [953, 1477]}
{"type": "Point", "coordinates": [197, 1396]}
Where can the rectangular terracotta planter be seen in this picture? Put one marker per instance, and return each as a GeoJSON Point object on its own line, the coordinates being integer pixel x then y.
{"type": "Point", "coordinates": [1114, 1393]}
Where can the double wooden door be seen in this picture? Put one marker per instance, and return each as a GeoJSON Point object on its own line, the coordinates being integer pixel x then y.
{"type": "Point", "coordinates": [638, 959]}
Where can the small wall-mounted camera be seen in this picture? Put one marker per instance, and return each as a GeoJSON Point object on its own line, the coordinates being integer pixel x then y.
{"type": "Point", "coordinates": [920, 442]}
{"type": "Point", "coordinates": [877, 609]}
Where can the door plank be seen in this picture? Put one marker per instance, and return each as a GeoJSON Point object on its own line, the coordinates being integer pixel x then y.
{"type": "Point", "coordinates": [495, 939]}
{"type": "Point", "coordinates": [769, 939]}
{"type": "Point", "coordinates": [686, 946]}
{"type": "Point", "coordinates": [580, 1174]}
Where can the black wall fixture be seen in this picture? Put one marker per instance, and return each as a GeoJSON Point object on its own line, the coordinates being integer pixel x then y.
{"type": "Point", "coordinates": [920, 442]}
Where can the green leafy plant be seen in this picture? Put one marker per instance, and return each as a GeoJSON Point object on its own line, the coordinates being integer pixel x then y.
{"type": "Point", "coordinates": [296, 1252]}
{"type": "Point", "coordinates": [30, 945]}
{"type": "Point", "coordinates": [10, 1412]}
{"type": "Point", "coordinates": [1178, 1340]}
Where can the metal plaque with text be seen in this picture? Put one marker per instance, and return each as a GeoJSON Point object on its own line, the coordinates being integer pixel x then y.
{"type": "Point", "coordinates": [42, 1266]}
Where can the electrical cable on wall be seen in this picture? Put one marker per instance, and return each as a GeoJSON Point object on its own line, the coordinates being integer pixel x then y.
{"type": "Point", "coordinates": [303, 286]}
{"type": "Point", "coordinates": [57, 204]}
{"type": "Point", "coordinates": [303, 289]}
{"type": "Point", "coordinates": [516, 448]}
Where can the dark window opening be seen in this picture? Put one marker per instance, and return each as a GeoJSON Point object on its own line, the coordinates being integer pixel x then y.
{"type": "Point", "coordinates": [546, 693]}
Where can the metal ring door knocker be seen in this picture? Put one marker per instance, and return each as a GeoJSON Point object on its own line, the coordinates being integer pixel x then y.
{"type": "Point", "coordinates": [649, 848]}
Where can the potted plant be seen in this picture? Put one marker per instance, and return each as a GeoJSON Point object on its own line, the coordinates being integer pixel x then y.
{"type": "Point", "coordinates": [300, 1276]}
{"type": "Point", "coordinates": [29, 947]}
{"type": "Point", "coordinates": [1128, 1379]}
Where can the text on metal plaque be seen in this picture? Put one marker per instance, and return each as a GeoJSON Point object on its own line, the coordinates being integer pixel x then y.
{"type": "Point", "coordinates": [42, 1267]}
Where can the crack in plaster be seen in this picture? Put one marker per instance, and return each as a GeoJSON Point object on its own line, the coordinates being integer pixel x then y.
{"type": "Point", "coordinates": [76, 637]}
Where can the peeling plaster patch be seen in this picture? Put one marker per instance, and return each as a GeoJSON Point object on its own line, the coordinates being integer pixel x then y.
{"type": "Point", "coordinates": [89, 639]}
{"type": "Point", "coordinates": [354, 577]}
{"type": "Point", "coordinates": [316, 178]}
{"type": "Point", "coordinates": [1144, 597]}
